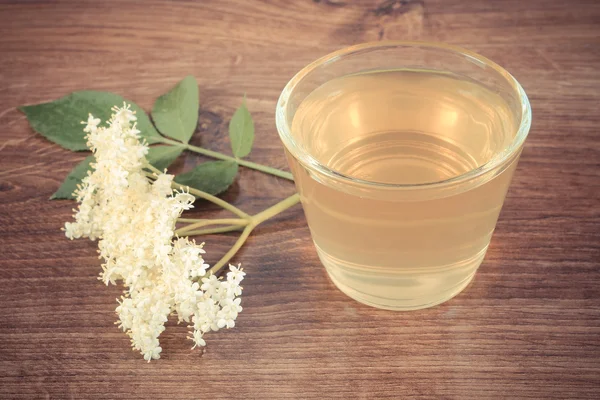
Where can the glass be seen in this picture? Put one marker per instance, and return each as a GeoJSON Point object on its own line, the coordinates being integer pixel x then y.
{"type": "Point", "coordinates": [402, 153]}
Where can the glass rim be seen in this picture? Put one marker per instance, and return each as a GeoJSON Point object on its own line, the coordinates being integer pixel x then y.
{"type": "Point", "coordinates": [305, 158]}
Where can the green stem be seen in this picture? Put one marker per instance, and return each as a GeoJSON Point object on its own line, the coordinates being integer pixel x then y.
{"type": "Point", "coordinates": [233, 250]}
{"type": "Point", "coordinates": [275, 209]}
{"type": "Point", "coordinates": [153, 168]}
{"type": "Point", "coordinates": [202, 195]}
{"type": "Point", "coordinates": [189, 220]}
{"type": "Point", "coordinates": [214, 230]}
{"type": "Point", "coordinates": [254, 221]}
{"type": "Point", "coordinates": [213, 199]}
{"type": "Point", "coordinates": [250, 222]}
{"type": "Point", "coordinates": [221, 156]}
{"type": "Point", "coordinates": [206, 222]}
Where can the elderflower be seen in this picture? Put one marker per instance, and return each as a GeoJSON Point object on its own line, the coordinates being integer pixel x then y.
{"type": "Point", "coordinates": [134, 221]}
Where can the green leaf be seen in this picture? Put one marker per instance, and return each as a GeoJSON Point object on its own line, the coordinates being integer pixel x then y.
{"type": "Point", "coordinates": [65, 191]}
{"type": "Point", "coordinates": [241, 132]}
{"type": "Point", "coordinates": [175, 113]}
{"type": "Point", "coordinates": [163, 156]}
{"type": "Point", "coordinates": [60, 120]}
{"type": "Point", "coordinates": [213, 177]}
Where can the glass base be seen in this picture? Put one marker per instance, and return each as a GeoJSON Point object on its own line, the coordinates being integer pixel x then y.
{"type": "Point", "coordinates": [409, 304]}
{"type": "Point", "coordinates": [388, 297]}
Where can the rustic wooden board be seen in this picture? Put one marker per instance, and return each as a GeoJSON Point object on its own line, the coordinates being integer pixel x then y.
{"type": "Point", "coordinates": [527, 327]}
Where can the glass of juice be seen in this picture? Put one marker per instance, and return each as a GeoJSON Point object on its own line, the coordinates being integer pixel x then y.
{"type": "Point", "coordinates": [402, 153]}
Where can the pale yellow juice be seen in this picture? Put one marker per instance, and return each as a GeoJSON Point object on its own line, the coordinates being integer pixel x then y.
{"type": "Point", "coordinates": [402, 247]}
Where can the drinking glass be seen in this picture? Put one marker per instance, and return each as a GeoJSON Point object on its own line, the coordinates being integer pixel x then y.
{"type": "Point", "coordinates": [402, 153]}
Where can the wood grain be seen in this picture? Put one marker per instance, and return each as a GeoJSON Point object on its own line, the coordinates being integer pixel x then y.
{"type": "Point", "coordinates": [527, 327]}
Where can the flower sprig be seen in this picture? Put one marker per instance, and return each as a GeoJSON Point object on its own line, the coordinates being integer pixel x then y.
{"type": "Point", "coordinates": [132, 208]}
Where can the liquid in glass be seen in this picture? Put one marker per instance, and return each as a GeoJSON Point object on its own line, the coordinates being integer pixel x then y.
{"type": "Point", "coordinates": [402, 249]}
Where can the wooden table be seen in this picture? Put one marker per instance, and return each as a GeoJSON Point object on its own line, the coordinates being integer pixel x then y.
{"type": "Point", "coordinates": [527, 327]}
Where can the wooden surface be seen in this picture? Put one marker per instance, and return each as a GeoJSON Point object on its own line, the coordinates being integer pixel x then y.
{"type": "Point", "coordinates": [527, 327]}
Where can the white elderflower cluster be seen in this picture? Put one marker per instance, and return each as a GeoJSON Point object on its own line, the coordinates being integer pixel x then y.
{"type": "Point", "coordinates": [134, 221]}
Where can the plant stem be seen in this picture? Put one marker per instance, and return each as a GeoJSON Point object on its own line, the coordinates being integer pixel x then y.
{"type": "Point", "coordinates": [202, 195]}
{"type": "Point", "coordinates": [250, 222]}
{"type": "Point", "coordinates": [255, 220]}
{"type": "Point", "coordinates": [208, 231]}
{"type": "Point", "coordinates": [206, 222]}
{"type": "Point", "coordinates": [213, 199]}
{"type": "Point", "coordinates": [221, 156]}
{"type": "Point", "coordinates": [233, 250]}
{"type": "Point", "coordinates": [189, 220]}
{"type": "Point", "coordinates": [153, 168]}
{"type": "Point", "coordinates": [275, 209]}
